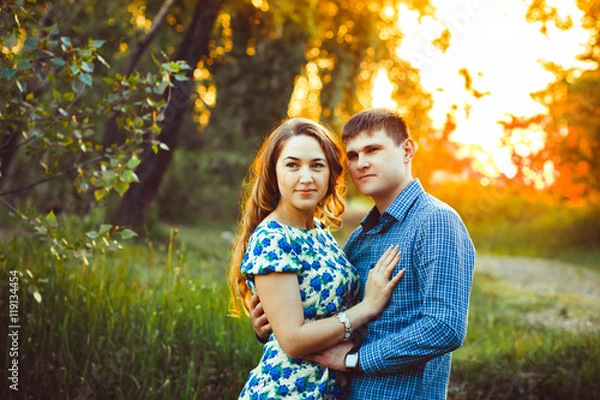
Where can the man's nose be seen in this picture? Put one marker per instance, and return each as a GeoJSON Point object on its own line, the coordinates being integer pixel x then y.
{"type": "Point", "coordinates": [362, 162]}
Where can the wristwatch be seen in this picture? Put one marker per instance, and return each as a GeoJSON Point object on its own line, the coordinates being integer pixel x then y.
{"type": "Point", "coordinates": [351, 361]}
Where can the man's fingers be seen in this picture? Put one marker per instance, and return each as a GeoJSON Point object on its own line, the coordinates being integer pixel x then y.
{"type": "Point", "coordinates": [254, 300]}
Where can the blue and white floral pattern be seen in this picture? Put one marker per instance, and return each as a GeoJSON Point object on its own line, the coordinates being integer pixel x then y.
{"type": "Point", "coordinates": [328, 284]}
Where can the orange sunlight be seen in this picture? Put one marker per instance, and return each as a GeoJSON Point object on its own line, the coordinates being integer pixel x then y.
{"type": "Point", "coordinates": [501, 53]}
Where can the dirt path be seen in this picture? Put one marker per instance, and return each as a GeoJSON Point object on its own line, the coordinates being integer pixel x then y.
{"type": "Point", "coordinates": [574, 291]}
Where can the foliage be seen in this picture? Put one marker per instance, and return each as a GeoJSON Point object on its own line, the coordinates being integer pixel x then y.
{"type": "Point", "coordinates": [45, 102]}
{"type": "Point", "coordinates": [568, 163]}
{"type": "Point", "coordinates": [203, 187]}
{"type": "Point", "coordinates": [511, 219]}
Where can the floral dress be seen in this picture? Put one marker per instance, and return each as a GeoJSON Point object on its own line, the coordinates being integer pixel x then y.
{"type": "Point", "coordinates": [328, 284]}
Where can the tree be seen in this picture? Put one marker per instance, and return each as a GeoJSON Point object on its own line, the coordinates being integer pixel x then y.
{"type": "Point", "coordinates": [568, 162]}
{"type": "Point", "coordinates": [137, 201]}
{"type": "Point", "coordinates": [57, 126]}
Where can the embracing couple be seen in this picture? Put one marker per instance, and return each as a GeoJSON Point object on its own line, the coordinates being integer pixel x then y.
{"type": "Point", "coordinates": [376, 320]}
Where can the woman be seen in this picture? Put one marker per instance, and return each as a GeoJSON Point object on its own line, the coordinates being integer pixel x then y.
{"type": "Point", "coordinates": [307, 287]}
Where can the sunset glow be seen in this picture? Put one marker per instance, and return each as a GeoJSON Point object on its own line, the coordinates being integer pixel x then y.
{"type": "Point", "coordinates": [501, 52]}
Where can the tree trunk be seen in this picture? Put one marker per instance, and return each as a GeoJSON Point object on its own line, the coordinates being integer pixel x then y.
{"type": "Point", "coordinates": [137, 201]}
{"type": "Point", "coordinates": [8, 148]}
{"type": "Point", "coordinates": [112, 134]}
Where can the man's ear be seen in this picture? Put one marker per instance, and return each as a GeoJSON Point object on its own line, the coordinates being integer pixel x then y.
{"type": "Point", "coordinates": [410, 147]}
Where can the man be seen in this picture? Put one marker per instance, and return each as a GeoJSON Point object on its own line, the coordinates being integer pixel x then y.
{"type": "Point", "coordinates": [405, 353]}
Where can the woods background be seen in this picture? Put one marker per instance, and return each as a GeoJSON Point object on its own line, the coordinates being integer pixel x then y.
{"type": "Point", "coordinates": [140, 118]}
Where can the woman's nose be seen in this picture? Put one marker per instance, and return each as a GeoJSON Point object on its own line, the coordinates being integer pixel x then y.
{"type": "Point", "coordinates": [306, 175]}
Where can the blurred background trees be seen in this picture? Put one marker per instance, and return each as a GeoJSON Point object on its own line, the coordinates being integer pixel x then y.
{"type": "Point", "coordinates": [81, 79]}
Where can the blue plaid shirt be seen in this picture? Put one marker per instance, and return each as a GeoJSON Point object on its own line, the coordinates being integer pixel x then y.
{"type": "Point", "coordinates": [406, 352]}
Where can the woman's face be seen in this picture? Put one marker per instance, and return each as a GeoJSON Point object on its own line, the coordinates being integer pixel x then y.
{"type": "Point", "coordinates": [302, 173]}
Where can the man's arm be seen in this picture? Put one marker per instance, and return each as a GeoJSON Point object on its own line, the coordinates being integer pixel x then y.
{"type": "Point", "coordinates": [444, 257]}
{"type": "Point", "coordinates": [332, 357]}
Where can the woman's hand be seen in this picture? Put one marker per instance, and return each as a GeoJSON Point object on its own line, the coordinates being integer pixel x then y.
{"type": "Point", "coordinates": [380, 285]}
{"type": "Point", "coordinates": [260, 323]}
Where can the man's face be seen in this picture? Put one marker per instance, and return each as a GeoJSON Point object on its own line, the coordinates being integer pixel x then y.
{"type": "Point", "coordinates": [378, 167]}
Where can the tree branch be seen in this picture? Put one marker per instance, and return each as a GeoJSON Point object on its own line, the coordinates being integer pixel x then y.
{"type": "Point", "coordinates": [143, 44]}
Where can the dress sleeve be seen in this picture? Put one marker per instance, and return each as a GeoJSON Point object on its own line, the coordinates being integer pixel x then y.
{"type": "Point", "coordinates": [271, 250]}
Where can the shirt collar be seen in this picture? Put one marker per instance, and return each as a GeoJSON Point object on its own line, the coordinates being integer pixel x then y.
{"type": "Point", "coordinates": [398, 209]}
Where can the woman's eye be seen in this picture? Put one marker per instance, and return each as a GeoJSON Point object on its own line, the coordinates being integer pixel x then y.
{"type": "Point", "coordinates": [291, 165]}
{"type": "Point", "coordinates": [318, 165]}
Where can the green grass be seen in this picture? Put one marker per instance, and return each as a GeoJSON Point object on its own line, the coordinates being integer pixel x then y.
{"type": "Point", "coordinates": [130, 325]}
{"type": "Point", "coordinates": [150, 321]}
{"type": "Point", "coordinates": [505, 357]}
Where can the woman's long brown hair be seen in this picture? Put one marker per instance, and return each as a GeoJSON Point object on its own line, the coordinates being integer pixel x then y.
{"type": "Point", "coordinates": [260, 195]}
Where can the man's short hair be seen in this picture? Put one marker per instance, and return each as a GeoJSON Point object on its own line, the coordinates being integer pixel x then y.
{"type": "Point", "coordinates": [376, 119]}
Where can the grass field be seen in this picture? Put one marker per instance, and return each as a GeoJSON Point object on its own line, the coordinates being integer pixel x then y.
{"type": "Point", "coordinates": [150, 322]}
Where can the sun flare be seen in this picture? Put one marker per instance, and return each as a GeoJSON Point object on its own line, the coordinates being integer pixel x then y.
{"type": "Point", "coordinates": [500, 51]}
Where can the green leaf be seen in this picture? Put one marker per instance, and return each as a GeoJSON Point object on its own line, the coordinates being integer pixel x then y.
{"type": "Point", "coordinates": [92, 234]}
{"type": "Point", "coordinates": [171, 66]}
{"type": "Point", "coordinates": [30, 43]}
{"type": "Point", "coordinates": [7, 72]}
{"type": "Point", "coordinates": [129, 176]}
{"type": "Point", "coordinates": [82, 187]}
{"type": "Point", "coordinates": [25, 64]}
{"type": "Point", "coordinates": [37, 296]}
{"type": "Point", "coordinates": [12, 41]}
{"type": "Point", "coordinates": [87, 66]}
{"type": "Point", "coordinates": [66, 41]}
{"type": "Point", "coordinates": [133, 162]}
{"type": "Point", "coordinates": [51, 219]}
{"type": "Point", "coordinates": [86, 53]}
{"type": "Point", "coordinates": [69, 96]}
{"type": "Point", "coordinates": [56, 94]}
{"type": "Point", "coordinates": [128, 234]}
{"type": "Point", "coordinates": [181, 77]}
{"type": "Point", "coordinates": [109, 175]}
{"type": "Point", "coordinates": [59, 62]}
{"type": "Point", "coordinates": [99, 194]}
{"type": "Point", "coordinates": [97, 43]}
{"type": "Point", "coordinates": [103, 61]}
{"type": "Point", "coordinates": [86, 79]}
{"type": "Point", "coordinates": [104, 228]}
{"type": "Point", "coordinates": [163, 146]}
{"type": "Point", "coordinates": [121, 187]}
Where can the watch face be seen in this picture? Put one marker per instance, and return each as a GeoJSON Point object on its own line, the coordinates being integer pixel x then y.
{"type": "Point", "coordinates": [351, 360]}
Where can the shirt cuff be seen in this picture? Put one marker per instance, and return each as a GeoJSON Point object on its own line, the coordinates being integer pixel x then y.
{"type": "Point", "coordinates": [261, 340]}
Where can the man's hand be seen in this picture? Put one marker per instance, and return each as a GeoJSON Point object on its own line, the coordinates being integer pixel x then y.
{"type": "Point", "coordinates": [332, 357]}
{"type": "Point", "coordinates": [260, 323]}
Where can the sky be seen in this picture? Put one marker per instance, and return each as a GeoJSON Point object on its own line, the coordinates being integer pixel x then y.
{"type": "Point", "coordinates": [502, 53]}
